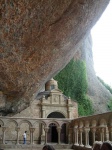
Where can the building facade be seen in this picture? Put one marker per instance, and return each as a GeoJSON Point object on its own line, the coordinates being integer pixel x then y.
{"type": "Point", "coordinates": [50, 103]}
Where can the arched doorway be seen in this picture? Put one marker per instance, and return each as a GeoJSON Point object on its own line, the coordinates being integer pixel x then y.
{"type": "Point", "coordinates": [52, 135]}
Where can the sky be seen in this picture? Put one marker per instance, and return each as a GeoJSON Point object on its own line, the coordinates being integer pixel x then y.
{"type": "Point", "coordinates": [102, 46]}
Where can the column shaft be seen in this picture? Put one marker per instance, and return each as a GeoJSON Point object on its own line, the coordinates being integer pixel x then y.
{"type": "Point", "coordinates": [59, 131]}
{"type": "Point", "coordinates": [17, 142]}
{"type": "Point", "coordinates": [3, 139]}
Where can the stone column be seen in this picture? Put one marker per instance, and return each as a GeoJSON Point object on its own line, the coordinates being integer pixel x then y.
{"type": "Point", "coordinates": [31, 135]}
{"type": "Point", "coordinates": [17, 129]}
{"type": "Point", "coordinates": [46, 130]}
{"type": "Point", "coordinates": [93, 133]}
{"type": "Point", "coordinates": [80, 131]}
{"type": "Point", "coordinates": [102, 134]}
{"type": "Point", "coordinates": [3, 139]}
{"type": "Point", "coordinates": [68, 113]}
{"type": "Point", "coordinates": [110, 133]}
{"type": "Point", "coordinates": [107, 134]}
{"type": "Point", "coordinates": [70, 136]}
{"type": "Point", "coordinates": [43, 113]}
{"type": "Point", "coordinates": [60, 97]}
{"type": "Point", "coordinates": [87, 137]}
{"type": "Point", "coordinates": [76, 136]}
{"type": "Point", "coordinates": [69, 102]}
{"type": "Point", "coordinates": [43, 116]}
{"type": "Point", "coordinates": [59, 131]}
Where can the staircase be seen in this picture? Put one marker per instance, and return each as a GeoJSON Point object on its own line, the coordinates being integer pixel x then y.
{"type": "Point", "coordinates": [34, 147]}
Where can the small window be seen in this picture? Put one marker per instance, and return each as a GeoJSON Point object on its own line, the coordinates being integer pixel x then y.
{"type": "Point", "coordinates": [52, 87]}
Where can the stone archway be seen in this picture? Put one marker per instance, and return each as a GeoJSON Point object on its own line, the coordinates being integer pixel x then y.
{"type": "Point", "coordinates": [52, 133]}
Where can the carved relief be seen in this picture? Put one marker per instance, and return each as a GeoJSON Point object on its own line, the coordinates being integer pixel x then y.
{"type": "Point", "coordinates": [55, 99]}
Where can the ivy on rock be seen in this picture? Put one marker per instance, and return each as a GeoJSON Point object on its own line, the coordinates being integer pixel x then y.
{"type": "Point", "coordinates": [72, 80]}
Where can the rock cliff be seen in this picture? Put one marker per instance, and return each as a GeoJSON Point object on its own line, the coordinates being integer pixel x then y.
{"type": "Point", "coordinates": [37, 39]}
{"type": "Point", "coordinates": [99, 95]}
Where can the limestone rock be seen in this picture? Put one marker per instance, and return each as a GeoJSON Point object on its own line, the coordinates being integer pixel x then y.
{"type": "Point", "coordinates": [37, 39]}
{"type": "Point", "coordinates": [99, 95]}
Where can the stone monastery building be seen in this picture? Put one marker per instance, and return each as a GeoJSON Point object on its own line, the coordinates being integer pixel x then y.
{"type": "Point", "coordinates": [50, 103]}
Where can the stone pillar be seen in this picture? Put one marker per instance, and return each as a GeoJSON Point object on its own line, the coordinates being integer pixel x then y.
{"type": "Point", "coordinates": [70, 136]}
{"type": "Point", "coordinates": [43, 109]}
{"type": "Point", "coordinates": [46, 130]}
{"type": "Point", "coordinates": [59, 131]}
{"type": "Point", "coordinates": [68, 113]}
{"type": "Point", "coordinates": [103, 130]}
{"type": "Point", "coordinates": [93, 133]}
{"type": "Point", "coordinates": [31, 135]}
{"type": "Point", "coordinates": [110, 133]}
{"type": "Point", "coordinates": [102, 134]}
{"type": "Point", "coordinates": [42, 126]}
{"type": "Point", "coordinates": [3, 139]}
{"type": "Point", "coordinates": [76, 136]}
{"type": "Point", "coordinates": [107, 134]}
{"type": "Point", "coordinates": [69, 102]}
{"type": "Point", "coordinates": [17, 129]}
{"type": "Point", "coordinates": [87, 137]}
{"type": "Point", "coordinates": [80, 131]}
{"type": "Point", "coordinates": [43, 113]}
{"type": "Point", "coordinates": [60, 97]}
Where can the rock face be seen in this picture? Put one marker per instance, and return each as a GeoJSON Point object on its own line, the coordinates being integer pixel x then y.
{"type": "Point", "coordinates": [99, 95]}
{"type": "Point", "coordinates": [37, 39]}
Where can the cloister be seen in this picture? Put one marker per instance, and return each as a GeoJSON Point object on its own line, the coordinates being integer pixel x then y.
{"type": "Point", "coordinates": [82, 132]}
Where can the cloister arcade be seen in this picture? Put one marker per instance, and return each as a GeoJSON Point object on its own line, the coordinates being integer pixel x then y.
{"type": "Point", "coordinates": [82, 131]}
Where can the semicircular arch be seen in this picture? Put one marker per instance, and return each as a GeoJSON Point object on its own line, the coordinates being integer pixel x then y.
{"type": "Point", "coordinates": [58, 114]}
{"type": "Point", "coordinates": [54, 122]}
{"type": "Point", "coordinates": [8, 122]}
{"type": "Point", "coordinates": [25, 121]}
{"type": "Point", "coordinates": [39, 122]}
{"type": "Point", "coordinates": [1, 122]}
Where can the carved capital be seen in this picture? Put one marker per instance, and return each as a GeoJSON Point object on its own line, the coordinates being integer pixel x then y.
{"type": "Point", "coordinates": [32, 129]}
{"type": "Point", "coordinates": [102, 129]}
{"type": "Point", "coordinates": [46, 129]}
{"type": "Point", "coordinates": [58, 129]}
{"type": "Point", "coordinates": [93, 129]}
{"type": "Point", "coordinates": [86, 129]}
{"type": "Point", "coordinates": [18, 129]}
{"type": "Point", "coordinates": [80, 130]}
{"type": "Point", "coordinates": [3, 129]}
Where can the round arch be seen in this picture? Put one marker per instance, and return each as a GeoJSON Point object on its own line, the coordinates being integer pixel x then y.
{"type": "Point", "coordinates": [25, 121]}
{"type": "Point", "coordinates": [53, 128]}
{"type": "Point", "coordinates": [11, 121]}
{"type": "Point", "coordinates": [56, 114]}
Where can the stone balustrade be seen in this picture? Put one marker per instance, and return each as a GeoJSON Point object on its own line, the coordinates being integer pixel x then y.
{"type": "Point", "coordinates": [82, 132]}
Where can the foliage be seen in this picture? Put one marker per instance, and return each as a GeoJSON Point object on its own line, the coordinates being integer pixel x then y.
{"type": "Point", "coordinates": [106, 85]}
{"type": "Point", "coordinates": [108, 88]}
{"type": "Point", "coordinates": [110, 104]}
{"type": "Point", "coordinates": [72, 81]}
